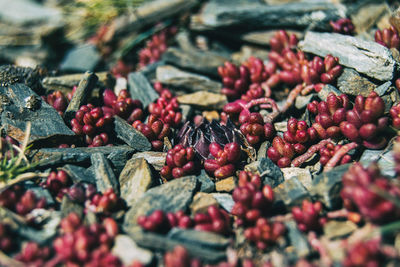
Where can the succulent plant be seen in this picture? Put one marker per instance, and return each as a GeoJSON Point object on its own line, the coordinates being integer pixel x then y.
{"type": "Point", "coordinates": [388, 37]}
{"type": "Point", "coordinates": [264, 233]}
{"type": "Point", "coordinates": [366, 190]}
{"type": "Point", "coordinates": [155, 131]}
{"type": "Point", "coordinates": [225, 160]}
{"type": "Point", "coordinates": [343, 25]}
{"type": "Point", "coordinates": [308, 216]}
{"type": "Point", "coordinates": [366, 123]}
{"type": "Point", "coordinates": [58, 101]}
{"type": "Point", "coordinates": [180, 161]}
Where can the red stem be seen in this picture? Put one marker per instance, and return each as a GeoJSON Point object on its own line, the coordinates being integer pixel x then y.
{"type": "Point", "coordinates": [334, 160]}
{"type": "Point", "coordinates": [310, 152]}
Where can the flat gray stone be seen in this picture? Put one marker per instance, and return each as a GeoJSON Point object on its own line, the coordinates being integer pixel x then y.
{"type": "Point", "coordinates": [253, 16]}
{"type": "Point", "coordinates": [79, 174]}
{"type": "Point", "coordinates": [302, 174]}
{"type": "Point", "coordinates": [327, 185]}
{"type": "Point", "coordinates": [187, 81]}
{"type": "Point", "coordinates": [118, 155]}
{"type": "Point", "coordinates": [27, 12]}
{"type": "Point", "coordinates": [160, 242]}
{"type": "Point", "coordinates": [291, 193]}
{"type": "Point", "coordinates": [384, 159]}
{"type": "Point", "coordinates": [297, 239]}
{"type": "Point", "coordinates": [19, 104]}
{"type": "Point", "coordinates": [203, 62]}
{"type": "Point", "coordinates": [105, 177]}
{"type": "Point", "coordinates": [130, 135]}
{"type": "Point", "coordinates": [206, 184]}
{"type": "Point", "coordinates": [270, 173]}
{"type": "Point", "coordinates": [140, 88]}
{"type": "Point", "coordinates": [225, 200]}
{"type": "Point", "coordinates": [201, 238]}
{"type": "Point", "coordinates": [81, 58]}
{"type": "Point", "coordinates": [170, 197]}
{"type": "Point", "coordinates": [367, 57]}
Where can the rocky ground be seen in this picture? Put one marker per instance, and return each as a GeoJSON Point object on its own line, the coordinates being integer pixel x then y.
{"type": "Point", "coordinates": [199, 133]}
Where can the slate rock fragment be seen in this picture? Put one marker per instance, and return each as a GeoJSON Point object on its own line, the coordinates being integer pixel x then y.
{"type": "Point", "coordinates": [187, 81]}
{"type": "Point", "coordinates": [327, 185]}
{"type": "Point", "coordinates": [79, 174]}
{"type": "Point", "coordinates": [81, 58]}
{"type": "Point", "coordinates": [140, 88]}
{"type": "Point", "coordinates": [154, 158]}
{"type": "Point", "coordinates": [367, 57]}
{"type": "Point", "coordinates": [352, 83]}
{"type": "Point", "coordinates": [46, 123]}
{"type": "Point", "coordinates": [130, 135]}
{"type": "Point", "coordinates": [81, 94]}
{"type": "Point", "coordinates": [128, 251]}
{"type": "Point", "coordinates": [298, 239]}
{"type": "Point", "coordinates": [10, 75]}
{"type": "Point", "coordinates": [291, 193]}
{"type": "Point", "coordinates": [169, 197]}
{"type": "Point", "coordinates": [105, 177]}
{"type": "Point", "coordinates": [201, 238]}
{"type": "Point", "coordinates": [270, 173]}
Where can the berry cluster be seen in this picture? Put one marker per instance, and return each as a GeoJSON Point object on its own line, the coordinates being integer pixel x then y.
{"type": "Point", "coordinates": [20, 201]}
{"type": "Point", "coordinates": [33, 255]}
{"type": "Point", "coordinates": [93, 123]}
{"type": "Point", "coordinates": [214, 220]}
{"type": "Point", "coordinates": [283, 41]}
{"type": "Point", "coordinates": [395, 114]}
{"type": "Point", "coordinates": [294, 142]}
{"type": "Point", "coordinates": [343, 25]}
{"type": "Point", "coordinates": [86, 245]}
{"type": "Point", "coordinates": [166, 108]}
{"type": "Point", "coordinates": [236, 80]}
{"type": "Point", "coordinates": [106, 203]}
{"type": "Point", "coordinates": [56, 182]}
{"type": "Point", "coordinates": [122, 105]}
{"type": "Point", "coordinates": [180, 161]}
{"type": "Point", "coordinates": [179, 257]}
{"type": "Point", "coordinates": [362, 191]}
{"type": "Point", "coordinates": [155, 130]}
{"type": "Point", "coordinates": [365, 253]}
{"type": "Point", "coordinates": [155, 47]}
{"type": "Point", "coordinates": [308, 217]}
{"type": "Point", "coordinates": [57, 100]}
{"type": "Point", "coordinates": [388, 37]}
{"type": "Point", "coordinates": [225, 160]}
{"type": "Point", "coordinates": [329, 115]}
{"type": "Point", "coordinates": [251, 200]}
{"type": "Point", "coordinates": [365, 123]}
{"type": "Point", "coordinates": [161, 222]}
{"type": "Point", "coordinates": [265, 233]}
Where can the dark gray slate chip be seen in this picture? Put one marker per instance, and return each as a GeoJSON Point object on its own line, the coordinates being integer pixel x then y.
{"type": "Point", "coordinates": [384, 159]}
{"type": "Point", "coordinates": [323, 94]}
{"type": "Point", "coordinates": [105, 177]}
{"type": "Point", "coordinates": [118, 155]}
{"type": "Point", "coordinates": [207, 185]}
{"type": "Point", "coordinates": [291, 192]}
{"type": "Point", "coordinates": [68, 206]}
{"type": "Point", "coordinates": [298, 239]}
{"type": "Point", "coordinates": [88, 82]}
{"type": "Point", "coordinates": [45, 120]}
{"type": "Point", "coordinates": [160, 242]}
{"type": "Point", "coordinates": [252, 16]}
{"type": "Point", "coordinates": [130, 135]}
{"type": "Point", "coordinates": [327, 185]}
{"type": "Point", "coordinates": [169, 197]}
{"type": "Point", "coordinates": [79, 174]}
{"type": "Point", "coordinates": [81, 58]}
{"type": "Point", "coordinates": [270, 173]}
{"type": "Point", "coordinates": [201, 238]}
{"type": "Point", "coordinates": [141, 89]}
